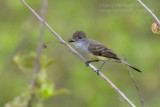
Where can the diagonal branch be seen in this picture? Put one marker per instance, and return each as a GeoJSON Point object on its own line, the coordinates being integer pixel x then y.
{"type": "Point", "coordinates": [135, 84]}
{"type": "Point", "coordinates": [75, 52]}
{"type": "Point", "coordinates": [155, 17]}
{"type": "Point", "coordinates": [137, 87]}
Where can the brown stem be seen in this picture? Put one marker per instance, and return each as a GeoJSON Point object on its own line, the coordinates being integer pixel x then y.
{"type": "Point", "coordinates": [39, 49]}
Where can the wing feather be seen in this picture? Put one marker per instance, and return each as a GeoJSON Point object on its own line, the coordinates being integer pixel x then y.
{"type": "Point", "coordinates": [98, 49]}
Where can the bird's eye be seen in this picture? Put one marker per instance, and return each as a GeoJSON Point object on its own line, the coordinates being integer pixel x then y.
{"type": "Point", "coordinates": [79, 37]}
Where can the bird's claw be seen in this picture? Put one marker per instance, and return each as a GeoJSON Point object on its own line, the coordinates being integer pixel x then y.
{"type": "Point", "coordinates": [87, 63]}
{"type": "Point", "coordinates": [98, 72]}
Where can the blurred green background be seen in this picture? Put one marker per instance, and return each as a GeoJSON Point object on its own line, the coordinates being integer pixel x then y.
{"type": "Point", "coordinates": [122, 25]}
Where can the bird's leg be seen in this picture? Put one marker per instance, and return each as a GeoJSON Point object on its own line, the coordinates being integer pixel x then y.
{"type": "Point", "coordinates": [98, 70]}
{"type": "Point", "coordinates": [87, 62]}
{"type": "Point", "coordinates": [102, 65]}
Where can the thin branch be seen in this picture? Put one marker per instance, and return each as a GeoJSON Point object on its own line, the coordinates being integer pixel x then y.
{"type": "Point", "coordinates": [135, 84]}
{"type": "Point", "coordinates": [37, 62]}
{"type": "Point", "coordinates": [75, 52]}
{"type": "Point", "coordinates": [39, 44]}
{"type": "Point", "coordinates": [137, 87]}
{"type": "Point", "coordinates": [155, 17]}
{"type": "Point", "coordinates": [53, 42]}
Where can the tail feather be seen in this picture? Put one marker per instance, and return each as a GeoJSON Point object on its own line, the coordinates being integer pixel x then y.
{"type": "Point", "coordinates": [126, 63]}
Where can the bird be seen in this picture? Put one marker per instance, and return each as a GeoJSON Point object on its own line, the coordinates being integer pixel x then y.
{"type": "Point", "coordinates": [95, 51]}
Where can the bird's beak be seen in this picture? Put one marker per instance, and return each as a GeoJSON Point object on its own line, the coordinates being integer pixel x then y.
{"type": "Point", "coordinates": [71, 40]}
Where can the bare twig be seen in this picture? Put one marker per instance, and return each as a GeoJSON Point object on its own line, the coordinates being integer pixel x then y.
{"type": "Point", "coordinates": [39, 44]}
{"type": "Point", "coordinates": [75, 52]}
{"type": "Point", "coordinates": [37, 63]}
{"type": "Point", "coordinates": [137, 87]}
{"type": "Point", "coordinates": [54, 42]}
{"type": "Point", "coordinates": [135, 84]}
{"type": "Point", "coordinates": [149, 11]}
{"type": "Point", "coordinates": [45, 44]}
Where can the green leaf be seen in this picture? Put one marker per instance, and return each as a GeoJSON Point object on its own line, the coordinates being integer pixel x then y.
{"type": "Point", "coordinates": [61, 91]}
{"type": "Point", "coordinates": [18, 58]}
{"type": "Point", "coordinates": [47, 90]}
{"type": "Point", "coordinates": [45, 61]}
{"type": "Point", "coordinates": [28, 60]}
{"type": "Point", "coordinates": [49, 62]}
{"type": "Point", "coordinates": [42, 77]}
{"type": "Point", "coordinates": [25, 60]}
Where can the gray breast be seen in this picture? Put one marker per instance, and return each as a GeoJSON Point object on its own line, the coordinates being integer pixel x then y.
{"type": "Point", "coordinates": [82, 46]}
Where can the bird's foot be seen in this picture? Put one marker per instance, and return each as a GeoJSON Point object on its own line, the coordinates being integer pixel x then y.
{"type": "Point", "coordinates": [87, 63]}
{"type": "Point", "coordinates": [98, 72]}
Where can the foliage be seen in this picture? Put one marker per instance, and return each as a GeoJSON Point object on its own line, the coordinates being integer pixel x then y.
{"type": "Point", "coordinates": [43, 89]}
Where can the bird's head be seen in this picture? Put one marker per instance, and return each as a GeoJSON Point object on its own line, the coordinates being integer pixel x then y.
{"type": "Point", "coordinates": [78, 36]}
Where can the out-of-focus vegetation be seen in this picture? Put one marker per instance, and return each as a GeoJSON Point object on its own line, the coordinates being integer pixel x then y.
{"type": "Point", "coordinates": [122, 25]}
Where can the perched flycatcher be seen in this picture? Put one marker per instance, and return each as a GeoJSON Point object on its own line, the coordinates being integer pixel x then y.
{"type": "Point", "coordinates": [95, 50]}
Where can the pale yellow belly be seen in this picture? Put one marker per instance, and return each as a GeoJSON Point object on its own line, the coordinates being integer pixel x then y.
{"type": "Point", "coordinates": [94, 57]}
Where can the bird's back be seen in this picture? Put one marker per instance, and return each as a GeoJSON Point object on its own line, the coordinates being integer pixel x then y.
{"type": "Point", "coordinates": [99, 49]}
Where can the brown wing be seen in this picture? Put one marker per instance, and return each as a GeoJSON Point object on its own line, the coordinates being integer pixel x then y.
{"type": "Point", "coordinates": [100, 50]}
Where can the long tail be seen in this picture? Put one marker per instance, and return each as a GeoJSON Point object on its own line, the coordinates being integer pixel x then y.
{"type": "Point", "coordinates": [126, 63]}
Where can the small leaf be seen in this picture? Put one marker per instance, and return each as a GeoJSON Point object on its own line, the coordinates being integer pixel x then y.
{"type": "Point", "coordinates": [42, 77]}
{"type": "Point", "coordinates": [49, 62]}
{"type": "Point", "coordinates": [28, 60]}
{"type": "Point", "coordinates": [18, 58]}
{"type": "Point", "coordinates": [47, 90]}
{"type": "Point", "coordinates": [61, 91]}
{"type": "Point", "coordinates": [45, 61]}
{"type": "Point", "coordinates": [25, 60]}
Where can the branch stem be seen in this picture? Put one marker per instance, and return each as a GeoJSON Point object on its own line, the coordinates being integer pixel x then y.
{"type": "Point", "coordinates": [37, 59]}
{"type": "Point", "coordinates": [155, 17]}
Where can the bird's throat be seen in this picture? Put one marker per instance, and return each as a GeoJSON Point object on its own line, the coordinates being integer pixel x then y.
{"type": "Point", "coordinates": [82, 46]}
